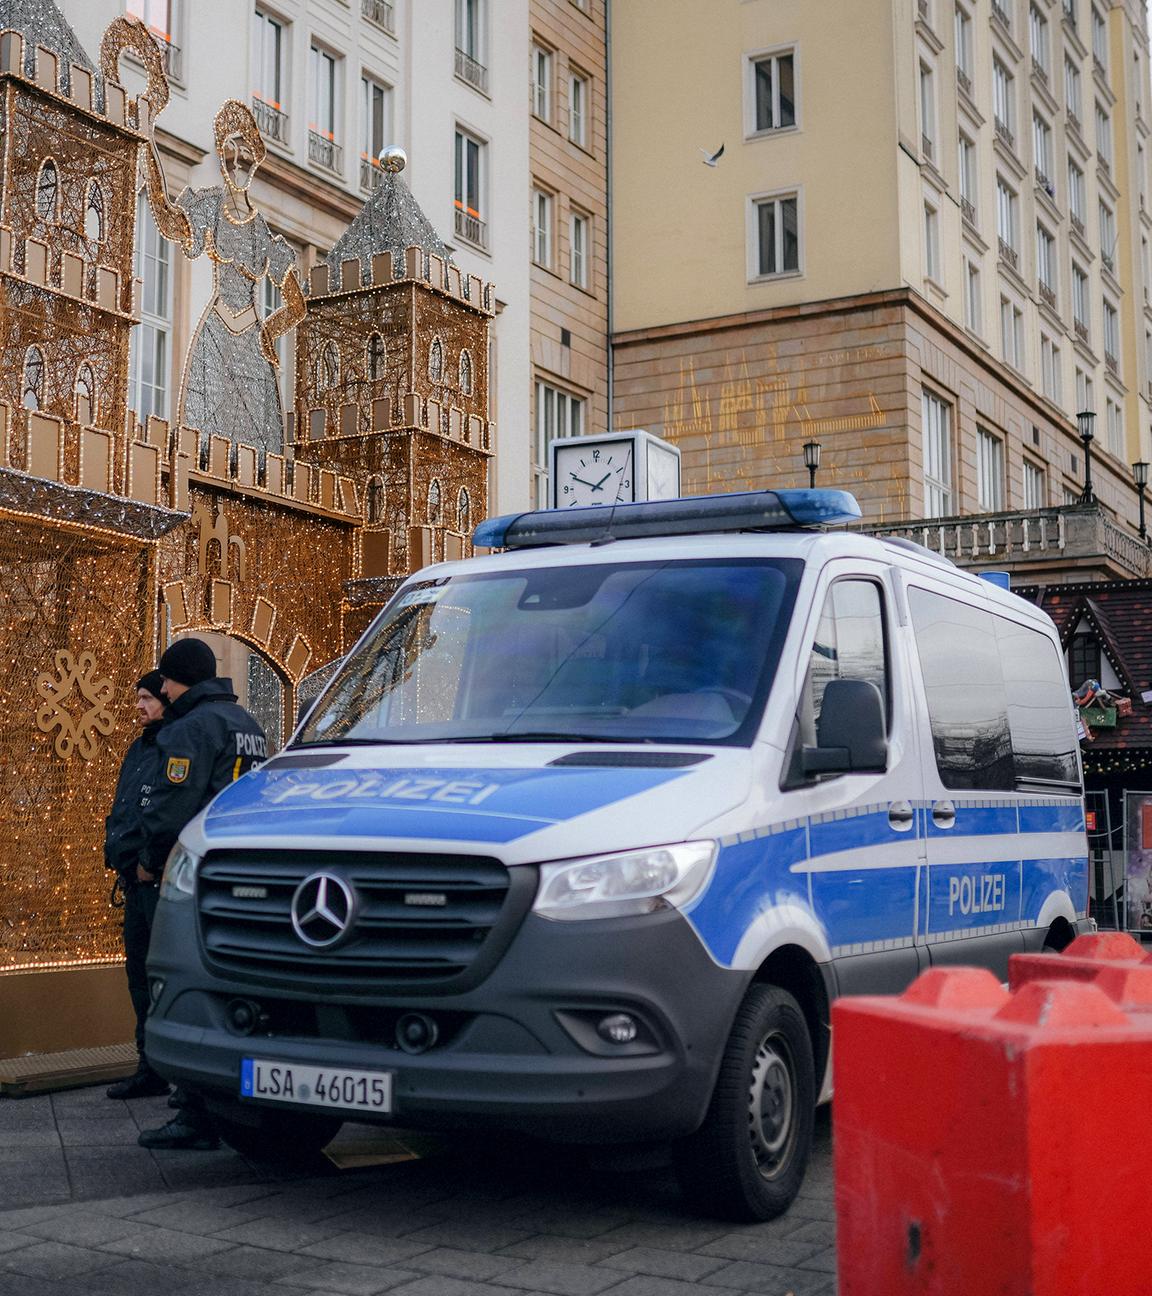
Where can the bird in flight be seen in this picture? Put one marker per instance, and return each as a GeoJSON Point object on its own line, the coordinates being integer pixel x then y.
{"type": "Point", "coordinates": [710, 159]}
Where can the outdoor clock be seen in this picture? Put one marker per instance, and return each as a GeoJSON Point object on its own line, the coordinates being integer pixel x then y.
{"type": "Point", "coordinates": [613, 468]}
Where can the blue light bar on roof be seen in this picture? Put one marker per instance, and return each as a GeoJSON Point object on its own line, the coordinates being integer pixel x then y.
{"type": "Point", "coordinates": [693, 515]}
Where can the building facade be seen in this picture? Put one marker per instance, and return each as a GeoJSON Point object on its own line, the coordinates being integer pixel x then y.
{"type": "Point", "coordinates": [925, 246]}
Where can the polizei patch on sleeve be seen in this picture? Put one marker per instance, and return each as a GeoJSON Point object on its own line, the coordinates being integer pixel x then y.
{"type": "Point", "coordinates": [178, 767]}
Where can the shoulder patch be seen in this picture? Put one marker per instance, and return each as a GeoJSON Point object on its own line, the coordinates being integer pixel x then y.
{"type": "Point", "coordinates": [178, 767]}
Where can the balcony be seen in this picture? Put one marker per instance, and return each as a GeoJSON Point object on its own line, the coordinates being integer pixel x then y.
{"type": "Point", "coordinates": [1112, 364]}
{"type": "Point", "coordinates": [1070, 13]}
{"type": "Point", "coordinates": [1076, 223]}
{"type": "Point", "coordinates": [1044, 183]}
{"type": "Point", "coordinates": [1099, 68]}
{"type": "Point", "coordinates": [1004, 134]}
{"type": "Point", "coordinates": [927, 148]}
{"type": "Point", "coordinates": [1104, 164]}
{"type": "Point", "coordinates": [370, 174]}
{"type": "Point", "coordinates": [380, 13]}
{"type": "Point", "coordinates": [272, 122]}
{"type": "Point", "coordinates": [472, 73]}
{"type": "Point", "coordinates": [1009, 255]}
{"type": "Point", "coordinates": [922, 9]}
{"type": "Point", "coordinates": [1047, 295]}
{"type": "Point", "coordinates": [968, 211]}
{"type": "Point", "coordinates": [324, 152]}
{"type": "Point", "coordinates": [1108, 263]}
{"type": "Point", "coordinates": [1081, 331]}
{"type": "Point", "coordinates": [1039, 70]}
{"type": "Point", "coordinates": [1001, 15]}
{"type": "Point", "coordinates": [1074, 122]}
{"type": "Point", "coordinates": [964, 81]}
{"type": "Point", "coordinates": [471, 228]}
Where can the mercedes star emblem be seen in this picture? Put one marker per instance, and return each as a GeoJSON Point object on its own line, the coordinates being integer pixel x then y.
{"type": "Point", "coordinates": [323, 910]}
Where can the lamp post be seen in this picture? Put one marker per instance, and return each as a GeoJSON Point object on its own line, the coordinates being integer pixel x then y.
{"type": "Point", "coordinates": [1140, 477]}
{"type": "Point", "coordinates": [1084, 422]}
{"type": "Point", "coordinates": [812, 460]}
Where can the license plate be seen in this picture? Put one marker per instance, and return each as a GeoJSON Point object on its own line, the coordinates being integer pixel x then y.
{"type": "Point", "coordinates": [332, 1087]}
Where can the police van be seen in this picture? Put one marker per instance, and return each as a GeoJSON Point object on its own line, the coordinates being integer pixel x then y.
{"type": "Point", "coordinates": [586, 834]}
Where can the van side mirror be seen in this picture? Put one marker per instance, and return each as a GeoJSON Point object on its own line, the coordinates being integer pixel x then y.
{"type": "Point", "coordinates": [850, 734]}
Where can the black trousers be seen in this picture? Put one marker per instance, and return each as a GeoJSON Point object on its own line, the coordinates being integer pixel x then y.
{"type": "Point", "coordinates": [139, 910]}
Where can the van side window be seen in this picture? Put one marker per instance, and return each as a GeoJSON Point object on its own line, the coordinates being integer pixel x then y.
{"type": "Point", "coordinates": [849, 644]}
{"type": "Point", "coordinates": [1043, 736]}
{"type": "Point", "coordinates": [964, 689]}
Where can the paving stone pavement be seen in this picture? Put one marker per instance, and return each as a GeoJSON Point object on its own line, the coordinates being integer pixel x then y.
{"type": "Point", "coordinates": [84, 1211]}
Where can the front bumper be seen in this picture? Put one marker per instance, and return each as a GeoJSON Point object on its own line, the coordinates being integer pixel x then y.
{"type": "Point", "coordinates": [517, 1051]}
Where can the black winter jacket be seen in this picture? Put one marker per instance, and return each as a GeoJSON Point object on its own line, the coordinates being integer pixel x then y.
{"type": "Point", "coordinates": [123, 833]}
{"type": "Point", "coordinates": [206, 743]}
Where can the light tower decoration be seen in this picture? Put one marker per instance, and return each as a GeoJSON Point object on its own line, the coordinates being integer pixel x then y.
{"type": "Point", "coordinates": [392, 381]}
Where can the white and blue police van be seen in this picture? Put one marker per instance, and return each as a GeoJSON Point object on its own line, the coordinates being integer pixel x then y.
{"type": "Point", "coordinates": [586, 834]}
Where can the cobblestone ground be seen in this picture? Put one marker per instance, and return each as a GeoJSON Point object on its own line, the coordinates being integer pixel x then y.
{"type": "Point", "coordinates": [84, 1211]}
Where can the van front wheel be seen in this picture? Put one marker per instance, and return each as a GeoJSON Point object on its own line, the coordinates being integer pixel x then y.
{"type": "Point", "coordinates": [748, 1159]}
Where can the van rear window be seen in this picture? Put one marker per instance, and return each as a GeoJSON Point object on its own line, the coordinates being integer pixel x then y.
{"type": "Point", "coordinates": [999, 704]}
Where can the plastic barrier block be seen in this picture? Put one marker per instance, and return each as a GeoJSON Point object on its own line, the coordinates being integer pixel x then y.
{"type": "Point", "coordinates": [988, 1143]}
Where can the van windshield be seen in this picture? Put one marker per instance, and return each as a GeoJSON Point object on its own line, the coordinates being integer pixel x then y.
{"type": "Point", "coordinates": [674, 651]}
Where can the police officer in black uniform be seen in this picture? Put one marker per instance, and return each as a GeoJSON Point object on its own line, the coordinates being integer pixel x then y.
{"type": "Point", "coordinates": [207, 742]}
{"type": "Point", "coordinates": [122, 841]}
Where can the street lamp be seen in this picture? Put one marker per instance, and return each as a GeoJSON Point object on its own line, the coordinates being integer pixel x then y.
{"type": "Point", "coordinates": [1084, 421]}
{"type": "Point", "coordinates": [1140, 477]}
{"type": "Point", "coordinates": [812, 460]}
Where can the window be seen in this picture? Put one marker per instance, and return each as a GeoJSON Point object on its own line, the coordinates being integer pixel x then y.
{"type": "Point", "coordinates": [1042, 147]}
{"type": "Point", "coordinates": [152, 339]}
{"type": "Point", "coordinates": [542, 217]}
{"type": "Point", "coordinates": [542, 83]}
{"type": "Point", "coordinates": [285, 345]}
{"type": "Point", "coordinates": [84, 393]}
{"type": "Point", "coordinates": [159, 16]}
{"type": "Point", "coordinates": [1007, 223]}
{"type": "Point", "coordinates": [33, 384]}
{"type": "Point", "coordinates": [1080, 300]}
{"type": "Point", "coordinates": [1108, 237]}
{"type": "Point", "coordinates": [94, 209]}
{"type": "Point", "coordinates": [1046, 264]}
{"type": "Point", "coordinates": [1111, 335]}
{"type": "Point", "coordinates": [579, 102]}
{"type": "Point", "coordinates": [1038, 30]}
{"type": "Point", "coordinates": [1114, 428]}
{"type": "Point", "coordinates": [375, 494]}
{"type": "Point", "coordinates": [927, 112]}
{"type": "Point", "coordinates": [850, 645]}
{"type": "Point", "coordinates": [376, 358]}
{"type": "Point", "coordinates": [1142, 176]}
{"type": "Point", "coordinates": [931, 242]}
{"type": "Point", "coordinates": [464, 374]}
{"type": "Point", "coordinates": [973, 315]}
{"type": "Point", "coordinates": [48, 191]}
{"type": "Point", "coordinates": [1003, 102]}
{"type": "Point", "coordinates": [434, 503]}
{"type": "Point", "coordinates": [375, 128]}
{"type": "Point", "coordinates": [470, 29]}
{"type": "Point", "coordinates": [774, 91]}
{"type": "Point", "coordinates": [989, 472]}
{"type": "Point", "coordinates": [322, 146]}
{"type": "Point", "coordinates": [1012, 333]}
{"type": "Point", "coordinates": [1036, 690]}
{"type": "Point", "coordinates": [436, 361]}
{"type": "Point", "coordinates": [967, 172]}
{"type": "Point", "coordinates": [937, 418]}
{"type": "Point", "coordinates": [1084, 658]}
{"type": "Point", "coordinates": [1084, 387]}
{"type": "Point", "coordinates": [1103, 135]}
{"type": "Point", "coordinates": [269, 51]}
{"type": "Point", "coordinates": [1050, 384]}
{"type": "Point", "coordinates": [579, 249]}
{"type": "Point", "coordinates": [470, 159]}
{"type": "Point", "coordinates": [1035, 486]}
{"type": "Point", "coordinates": [463, 511]}
{"type": "Point", "coordinates": [1076, 206]}
{"type": "Point", "coordinates": [1072, 91]}
{"type": "Point", "coordinates": [964, 47]}
{"type": "Point", "coordinates": [331, 365]}
{"type": "Point", "coordinates": [558, 414]}
{"type": "Point", "coordinates": [777, 236]}
{"type": "Point", "coordinates": [1099, 39]}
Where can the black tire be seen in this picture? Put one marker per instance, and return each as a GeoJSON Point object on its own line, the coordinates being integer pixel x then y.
{"type": "Point", "coordinates": [748, 1159]}
{"type": "Point", "coordinates": [277, 1138]}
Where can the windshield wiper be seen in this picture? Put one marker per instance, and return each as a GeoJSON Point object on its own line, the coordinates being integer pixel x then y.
{"type": "Point", "coordinates": [551, 735]}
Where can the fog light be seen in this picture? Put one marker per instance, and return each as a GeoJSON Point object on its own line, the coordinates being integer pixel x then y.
{"type": "Point", "coordinates": [243, 1016]}
{"type": "Point", "coordinates": [416, 1033]}
{"type": "Point", "coordinates": [619, 1028]}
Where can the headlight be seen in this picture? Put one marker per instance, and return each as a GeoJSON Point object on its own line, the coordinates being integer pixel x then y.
{"type": "Point", "coordinates": [611, 886]}
{"type": "Point", "coordinates": [179, 874]}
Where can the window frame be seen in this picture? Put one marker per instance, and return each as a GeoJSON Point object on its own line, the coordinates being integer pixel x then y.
{"type": "Point", "coordinates": [939, 488]}
{"type": "Point", "coordinates": [579, 135]}
{"type": "Point", "coordinates": [543, 230]}
{"type": "Point", "coordinates": [566, 406]}
{"type": "Point", "coordinates": [543, 90]}
{"type": "Point", "coordinates": [772, 54]}
{"type": "Point", "coordinates": [755, 202]}
{"type": "Point", "coordinates": [580, 278]}
{"type": "Point", "coordinates": [990, 462]}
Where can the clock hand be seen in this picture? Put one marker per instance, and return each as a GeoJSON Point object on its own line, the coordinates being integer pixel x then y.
{"type": "Point", "coordinates": [600, 484]}
{"type": "Point", "coordinates": [582, 482]}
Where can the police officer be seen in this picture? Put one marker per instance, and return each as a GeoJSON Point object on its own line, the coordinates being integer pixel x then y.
{"type": "Point", "coordinates": [122, 840]}
{"type": "Point", "coordinates": [207, 742]}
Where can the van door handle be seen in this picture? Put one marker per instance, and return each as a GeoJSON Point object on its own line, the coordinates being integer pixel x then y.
{"type": "Point", "coordinates": [900, 816]}
{"type": "Point", "coordinates": [944, 814]}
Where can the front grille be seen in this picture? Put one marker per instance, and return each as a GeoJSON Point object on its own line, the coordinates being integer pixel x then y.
{"type": "Point", "coordinates": [423, 920]}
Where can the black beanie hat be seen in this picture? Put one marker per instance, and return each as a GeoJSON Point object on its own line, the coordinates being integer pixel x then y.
{"type": "Point", "coordinates": [188, 661]}
{"type": "Point", "coordinates": [152, 683]}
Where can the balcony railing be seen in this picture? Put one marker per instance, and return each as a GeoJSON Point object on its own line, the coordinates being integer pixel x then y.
{"type": "Point", "coordinates": [468, 70]}
{"type": "Point", "coordinates": [1047, 295]}
{"type": "Point", "coordinates": [1070, 14]}
{"type": "Point", "coordinates": [1001, 15]}
{"type": "Point", "coordinates": [927, 148]}
{"type": "Point", "coordinates": [370, 174]}
{"type": "Point", "coordinates": [1077, 223]}
{"type": "Point", "coordinates": [1039, 70]}
{"type": "Point", "coordinates": [968, 211]}
{"type": "Point", "coordinates": [1008, 254]}
{"type": "Point", "coordinates": [380, 13]}
{"type": "Point", "coordinates": [1074, 122]}
{"type": "Point", "coordinates": [471, 228]}
{"type": "Point", "coordinates": [1108, 263]}
{"type": "Point", "coordinates": [1044, 183]}
{"type": "Point", "coordinates": [272, 122]}
{"type": "Point", "coordinates": [922, 9]}
{"type": "Point", "coordinates": [1112, 363]}
{"type": "Point", "coordinates": [1104, 164]}
{"type": "Point", "coordinates": [964, 81]}
{"type": "Point", "coordinates": [1081, 330]}
{"type": "Point", "coordinates": [1004, 134]}
{"type": "Point", "coordinates": [172, 58]}
{"type": "Point", "coordinates": [1098, 66]}
{"type": "Point", "coordinates": [323, 152]}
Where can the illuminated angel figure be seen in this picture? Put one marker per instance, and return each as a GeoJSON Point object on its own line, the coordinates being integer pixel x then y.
{"type": "Point", "coordinates": [229, 385]}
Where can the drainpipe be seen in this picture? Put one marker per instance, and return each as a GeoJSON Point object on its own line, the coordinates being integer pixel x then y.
{"type": "Point", "coordinates": [608, 205]}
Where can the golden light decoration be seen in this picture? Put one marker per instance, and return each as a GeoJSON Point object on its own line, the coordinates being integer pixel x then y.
{"type": "Point", "coordinates": [78, 733]}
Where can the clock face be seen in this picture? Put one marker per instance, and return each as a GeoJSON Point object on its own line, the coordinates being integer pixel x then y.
{"type": "Point", "coordinates": [594, 474]}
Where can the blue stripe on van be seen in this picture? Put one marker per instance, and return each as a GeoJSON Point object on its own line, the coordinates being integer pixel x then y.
{"type": "Point", "coordinates": [1066, 816]}
{"type": "Point", "coordinates": [868, 829]}
{"type": "Point", "coordinates": [983, 821]}
{"type": "Point", "coordinates": [970, 896]}
{"type": "Point", "coordinates": [1043, 876]}
{"type": "Point", "coordinates": [873, 905]}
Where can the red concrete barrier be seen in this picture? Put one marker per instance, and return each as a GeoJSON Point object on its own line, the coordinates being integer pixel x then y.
{"type": "Point", "coordinates": [990, 1143]}
{"type": "Point", "coordinates": [1113, 961]}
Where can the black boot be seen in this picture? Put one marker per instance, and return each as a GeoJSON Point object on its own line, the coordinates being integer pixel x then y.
{"type": "Point", "coordinates": [143, 1083]}
{"type": "Point", "coordinates": [188, 1130]}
